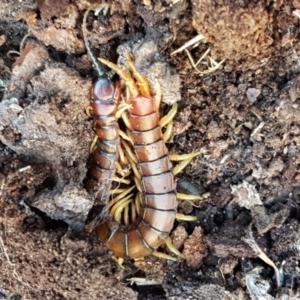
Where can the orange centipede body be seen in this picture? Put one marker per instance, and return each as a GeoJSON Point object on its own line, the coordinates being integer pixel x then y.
{"type": "Point", "coordinates": [104, 102]}
{"type": "Point", "coordinates": [159, 202]}
{"type": "Point", "coordinates": [105, 97]}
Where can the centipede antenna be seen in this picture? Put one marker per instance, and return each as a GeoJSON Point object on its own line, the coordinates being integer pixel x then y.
{"type": "Point", "coordinates": [99, 69]}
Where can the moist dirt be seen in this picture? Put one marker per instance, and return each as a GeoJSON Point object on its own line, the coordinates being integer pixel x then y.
{"type": "Point", "coordinates": [239, 106]}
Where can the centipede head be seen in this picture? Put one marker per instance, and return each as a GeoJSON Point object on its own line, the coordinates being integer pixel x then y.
{"type": "Point", "coordinates": [104, 89]}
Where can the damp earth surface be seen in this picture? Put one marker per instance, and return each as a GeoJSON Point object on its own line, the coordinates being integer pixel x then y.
{"type": "Point", "coordinates": [237, 89]}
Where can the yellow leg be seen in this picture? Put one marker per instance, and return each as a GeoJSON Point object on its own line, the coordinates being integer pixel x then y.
{"type": "Point", "coordinates": [93, 144]}
{"type": "Point", "coordinates": [117, 191]}
{"type": "Point", "coordinates": [136, 172]}
{"type": "Point", "coordinates": [129, 82]}
{"type": "Point", "coordinates": [89, 110]}
{"type": "Point", "coordinates": [163, 255]}
{"type": "Point", "coordinates": [168, 132]}
{"type": "Point", "coordinates": [122, 156]}
{"type": "Point", "coordinates": [126, 120]}
{"type": "Point", "coordinates": [121, 180]}
{"type": "Point", "coordinates": [119, 169]}
{"type": "Point", "coordinates": [124, 193]}
{"type": "Point", "coordinates": [121, 109]}
{"type": "Point", "coordinates": [119, 261]}
{"type": "Point", "coordinates": [118, 211]}
{"type": "Point", "coordinates": [137, 202]}
{"type": "Point", "coordinates": [169, 116]}
{"type": "Point", "coordinates": [133, 212]}
{"type": "Point", "coordinates": [128, 151]}
{"type": "Point", "coordinates": [119, 203]}
{"type": "Point", "coordinates": [185, 160]}
{"type": "Point", "coordinates": [179, 157]}
{"type": "Point", "coordinates": [126, 215]}
{"type": "Point", "coordinates": [125, 136]}
{"type": "Point", "coordinates": [172, 248]}
{"type": "Point", "coordinates": [138, 184]}
{"type": "Point", "coordinates": [182, 217]}
{"type": "Point", "coordinates": [181, 196]}
{"type": "Point", "coordinates": [141, 80]}
{"type": "Point", "coordinates": [179, 167]}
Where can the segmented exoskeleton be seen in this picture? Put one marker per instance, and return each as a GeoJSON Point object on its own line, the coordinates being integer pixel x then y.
{"type": "Point", "coordinates": [138, 154]}
{"type": "Point", "coordinates": [156, 201]}
{"type": "Point", "coordinates": [105, 97]}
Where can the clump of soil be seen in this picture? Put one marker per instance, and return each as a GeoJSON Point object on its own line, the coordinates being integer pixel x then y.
{"type": "Point", "coordinates": [237, 29]}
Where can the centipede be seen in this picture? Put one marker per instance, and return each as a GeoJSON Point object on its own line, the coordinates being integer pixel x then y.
{"type": "Point", "coordinates": [132, 165]}
{"type": "Point", "coordinates": [156, 197]}
{"type": "Point", "coordinates": [105, 97]}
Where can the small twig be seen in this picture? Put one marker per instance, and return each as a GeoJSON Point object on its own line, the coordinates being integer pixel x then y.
{"type": "Point", "coordinates": [214, 65]}
{"type": "Point", "coordinates": [211, 63]}
{"type": "Point", "coordinates": [8, 54]}
{"type": "Point", "coordinates": [260, 253]}
{"type": "Point", "coordinates": [191, 42]}
{"type": "Point", "coordinates": [296, 13]}
{"type": "Point", "coordinates": [141, 281]}
{"type": "Point", "coordinates": [258, 128]}
{"type": "Point", "coordinates": [24, 39]}
{"type": "Point", "coordinates": [25, 169]}
{"type": "Point", "coordinates": [2, 247]}
{"type": "Point", "coordinates": [202, 57]}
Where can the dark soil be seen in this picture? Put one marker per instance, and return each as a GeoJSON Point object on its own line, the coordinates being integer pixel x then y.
{"type": "Point", "coordinates": [244, 117]}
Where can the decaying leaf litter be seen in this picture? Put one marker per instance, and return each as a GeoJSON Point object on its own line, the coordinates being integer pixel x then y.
{"type": "Point", "coordinates": [243, 116]}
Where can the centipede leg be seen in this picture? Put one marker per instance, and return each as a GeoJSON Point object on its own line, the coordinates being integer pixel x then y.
{"type": "Point", "coordinates": [122, 157]}
{"type": "Point", "coordinates": [185, 160]}
{"type": "Point", "coordinates": [168, 132]}
{"type": "Point", "coordinates": [120, 180]}
{"type": "Point", "coordinates": [169, 116]}
{"type": "Point", "coordinates": [163, 255]}
{"type": "Point", "coordinates": [122, 108]}
{"type": "Point", "coordinates": [89, 111]}
{"type": "Point", "coordinates": [123, 193]}
{"type": "Point", "coordinates": [125, 136]}
{"type": "Point", "coordinates": [93, 143]}
{"type": "Point", "coordinates": [180, 157]}
{"type": "Point", "coordinates": [129, 152]}
{"type": "Point", "coordinates": [167, 121]}
{"type": "Point", "coordinates": [172, 248]}
{"type": "Point", "coordinates": [182, 217]}
{"type": "Point", "coordinates": [129, 81]}
{"type": "Point", "coordinates": [119, 203]}
{"type": "Point", "coordinates": [141, 80]}
{"type": "Point", "coordinates": [119, 261]}
{"type": "Point", "coordinates": [121, 206]}
{"type": "Point", "coordinates": [181, 196]}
